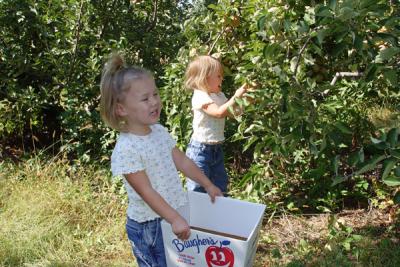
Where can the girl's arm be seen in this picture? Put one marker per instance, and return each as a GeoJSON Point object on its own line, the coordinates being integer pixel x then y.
{"type": "Point", "coordinates": [140, 182]}
{"type": "Point", "coordinates": [190, 169]}
{"type": "Point", "coordinates": [223, 111]}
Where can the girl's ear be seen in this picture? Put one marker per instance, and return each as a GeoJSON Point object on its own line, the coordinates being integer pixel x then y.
{"type": "Point", "coordinates": [120, 110]}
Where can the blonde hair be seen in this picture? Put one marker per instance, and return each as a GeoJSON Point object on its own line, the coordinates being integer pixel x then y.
{"type": "Point", "coordinates": [198, 71]}
{"type": "Point", "coordinates": [117, 78]}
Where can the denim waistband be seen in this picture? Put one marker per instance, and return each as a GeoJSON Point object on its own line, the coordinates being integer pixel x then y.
{"type": "Point", "coordinates": [149, 221]}
{"type": "Point", "coordinates": [205, 144]}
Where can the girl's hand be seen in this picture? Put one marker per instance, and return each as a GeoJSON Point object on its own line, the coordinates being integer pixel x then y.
{"type": "Point", "coordinates": [181, 228]}
{"type": "Point", "coordinates": [213, 192]}
{"type": "Point", "coordinates": [241, 91]}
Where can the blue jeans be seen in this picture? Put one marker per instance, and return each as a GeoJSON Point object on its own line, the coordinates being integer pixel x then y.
{"type": "Point", "coordinates": [147, 242]}
{"type": "Point", "coordinates": [210, 159]}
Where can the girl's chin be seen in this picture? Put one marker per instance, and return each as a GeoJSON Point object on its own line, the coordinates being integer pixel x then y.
{"type": "Point", "coordinates": [154, 119]}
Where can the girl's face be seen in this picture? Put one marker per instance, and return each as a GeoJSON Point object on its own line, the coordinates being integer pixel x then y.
{"type": "Point", "coordinates": [214, 82]}
{"type": "Point", "coordinates": [141, 106]}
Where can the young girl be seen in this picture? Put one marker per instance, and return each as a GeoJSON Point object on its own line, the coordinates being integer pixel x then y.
{"type": "Point", "coordinates": [210, 107]}
{"type": "Point", "coordinates": [146, 155]}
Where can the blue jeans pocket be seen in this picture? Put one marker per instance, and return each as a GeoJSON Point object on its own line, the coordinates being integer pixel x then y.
{"type": "Point", "coordinates": [147, 243]}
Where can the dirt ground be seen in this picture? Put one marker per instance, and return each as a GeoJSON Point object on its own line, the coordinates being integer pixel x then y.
{"type": "Point", "coordinates": [284, 232]}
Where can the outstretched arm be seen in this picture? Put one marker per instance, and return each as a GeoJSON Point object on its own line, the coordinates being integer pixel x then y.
{"type": "Point", "coordinates": [190, 169]}
{"type": "Point", "coordinates": [140, 182]}
{"type": "Point", "coordinates": [223, 111]}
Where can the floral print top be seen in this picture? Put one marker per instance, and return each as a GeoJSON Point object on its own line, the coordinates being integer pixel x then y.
{"type": "Point", "coordinates": [151, 153]}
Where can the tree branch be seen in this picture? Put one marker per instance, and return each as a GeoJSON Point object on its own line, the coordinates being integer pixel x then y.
{"type": "Point", "coordinates": [154, 19]}
{"type": "Point", "coordinates": [216, 40]}
{"type": "Point", "coordinates": [345, 74]}
{"type": "Point", "coordinates": [302, 50]}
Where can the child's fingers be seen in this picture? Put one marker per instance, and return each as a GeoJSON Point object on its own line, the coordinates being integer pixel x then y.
{"type": "Point", "coordinates": [243, 87]}
{"type": "Point", "coordinates": [185, 235]}
{"type": "Point", "coordinates": [251, 86]}
{"type": "Point", "coordinates": [212, 196]}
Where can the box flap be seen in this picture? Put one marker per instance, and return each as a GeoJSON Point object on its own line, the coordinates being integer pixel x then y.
{"type": "Point", "coordinates": [226, 215]}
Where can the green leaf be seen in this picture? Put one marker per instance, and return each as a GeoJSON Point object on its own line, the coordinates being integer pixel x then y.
{"type": "Point", "coordinates": [387, 167]}
{"type": "Point", "coordinates": [347, 13]}
{"type": "Point", "coordinates": [375, 140]}
{"type": "Point", "coordinates": [250, 142]}
{"type": "Point", "coordinates": [316, 173]}
{"type": "Point", "coordinates": [382, 145]}
{"type": "Point", "coordinates": [275, 26]}
{"type": "Point", "coordinates": [323, 144]}
{"type": "Point", "coordinates": [358, 42]}
{"type": "Point", "coordinates": [386, 54]}
{"type": "Point", "coordinates": [321, 35]}
{"type": "Point", "coordinates": [367, 3]}
{"type": "Point", "coordinates": [353, 159]}
{"type": "Point", "coordinates": [335, 164]}
{"type": "Point", "coordinates": [386, 37]}
{"type": "Point", "coordinates": [332, 4]}
{"type": "Point", "coordinates": [361, 154]}
{"type": "Point", "coordinates": [337, 49]}
{"type": "Point", "coordinates": [391, 76]}
{"type": "Point", "coordinates": [343, 127]}
{"type": "Point", "coordinates": [396, 198]}
{"type": "Point", "coordinates": [324, 12]}
{"type": "Point", "coordinates": [270, 51]}
{"type": "Point", "coordinates": [370, 165]}
{"type": "Point", "coordinates": [392, 181]}
{"type": "Point", "coordinates": [371, 71]}
{"type": "Point", "coordinates": [276, 254]}
{"type": "Point", "coordinates": [261, 23]}
{"type": "Point", "coordinates": [338, 180]}
{"type": "Point", "coordinates": [395, 153]}
{"type": "Point", "coordinates": [392, 136]}
{"type": "Point", "coordinates": [397, 171]}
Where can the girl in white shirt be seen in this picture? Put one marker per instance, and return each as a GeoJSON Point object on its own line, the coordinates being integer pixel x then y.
{"type": "Point", "coordinates": [210, 107]}
{"type": "Point", "coordinates": [146, 156]}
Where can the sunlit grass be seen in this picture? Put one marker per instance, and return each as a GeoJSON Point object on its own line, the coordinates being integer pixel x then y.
{"type": "Point", "coordinates": [299, 241]}
{"type": "Point", "coordinates": [56, 214]}
{"type": "Point", "coordinates": [52, 214]}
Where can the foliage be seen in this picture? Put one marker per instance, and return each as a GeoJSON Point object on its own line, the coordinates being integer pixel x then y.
{"type": "Point", "coordinates": [306, 131]}
{"type": "Point", "coordinates": [51, 55]}
{"type": "Point", "coordinates": [309, 138]}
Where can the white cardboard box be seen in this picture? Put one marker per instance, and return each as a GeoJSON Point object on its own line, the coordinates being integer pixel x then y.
{"type": "Point", "coordinates": [218, 243]}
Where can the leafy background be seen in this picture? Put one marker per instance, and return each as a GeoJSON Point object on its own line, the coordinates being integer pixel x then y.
{"type": "Point", "coordinates": [305, 142]}
{"type": "Point", "coordinates": [322, 152]}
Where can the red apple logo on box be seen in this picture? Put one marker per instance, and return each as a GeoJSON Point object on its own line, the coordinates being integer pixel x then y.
{"type": "Point", "coordinates": [220, 256]}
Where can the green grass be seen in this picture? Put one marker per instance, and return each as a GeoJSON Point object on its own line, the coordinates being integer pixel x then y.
{"type": "Point", "coordinates": [55, 214]}
{"type": "Point", "coordinates": [52, 214]}
{"type": "Point", "coordinates": [327, 245]}
{"type": "Point", "coordinates": [367, 253]}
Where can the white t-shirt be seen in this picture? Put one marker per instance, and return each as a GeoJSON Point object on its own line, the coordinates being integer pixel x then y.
{"type": "Point", "coordinates": [205, 127]}
{"type": "Point", "coordinates": [153, 154]}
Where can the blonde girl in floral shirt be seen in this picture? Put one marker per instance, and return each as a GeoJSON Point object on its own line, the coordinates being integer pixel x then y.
{"type": "Point", "coordinates": [146, 156]}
